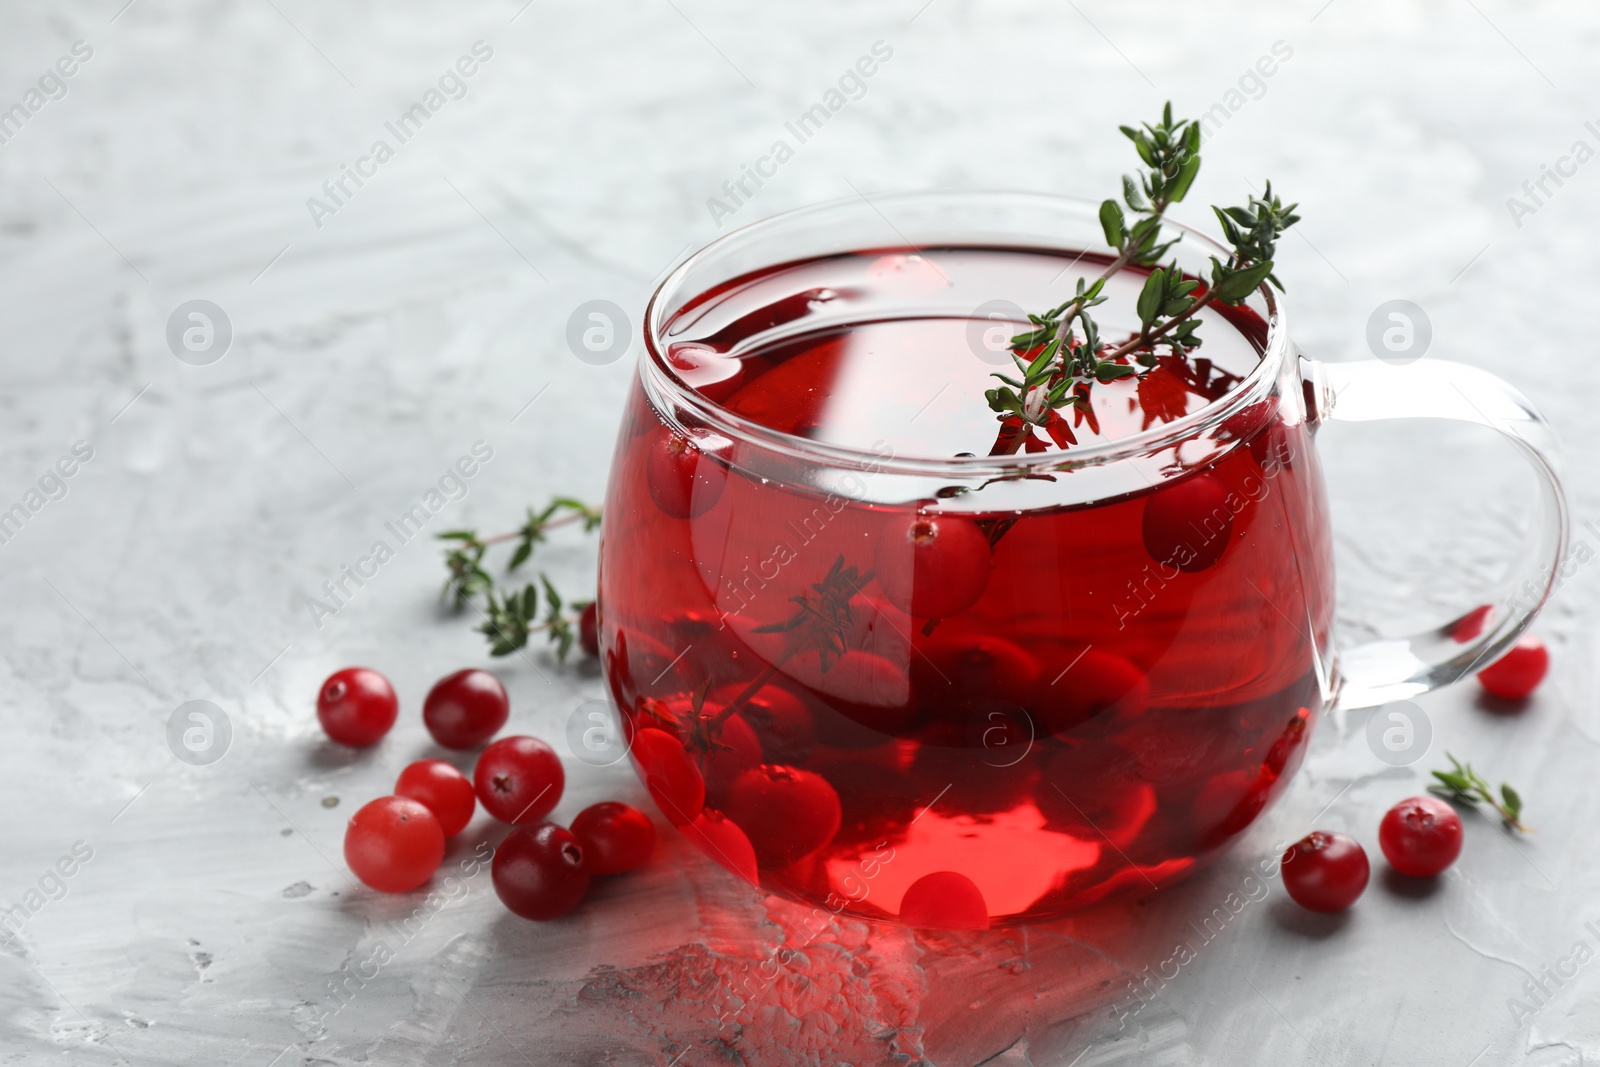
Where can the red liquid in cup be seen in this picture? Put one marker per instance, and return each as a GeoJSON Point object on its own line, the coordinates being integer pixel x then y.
{"type": "Point", "coordinates": [1044, 708]}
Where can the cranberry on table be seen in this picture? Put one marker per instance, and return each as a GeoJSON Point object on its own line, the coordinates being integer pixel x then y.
{"type": "Point", "coordinates": [786, 812]}
{"type": "Point", "coordinates": [933, 566]}
{"type": "Point", "coordinates": [944, 900]}
{"type": "Point", "coordinates": [615, 837]}
{"type": "Point", "coordinates": [1187, 524]}
{"type": "Point", "coordinates": [1515, 675]}
{"type": "Point", "coordinates": [442, 789]}
{"type": "Point", "coordinates": [465, 709]}
{"type": "Point", "coordinates": [539, 872]}
{"type": "Point", "coordinates": [1325, 871]}
{"type": "Point", "coordinates": [356, 706]}
{"type": "Point", "coordinates": [519, 779]}
{"type": "Point", "coordinates": [589, 629]}
{"type": "Point", "coordinates": [1420, 836]}
{"type": "Point", "coordinates": [393, 844]}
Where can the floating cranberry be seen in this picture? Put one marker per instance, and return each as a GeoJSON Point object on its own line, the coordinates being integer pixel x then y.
{"type": "Point", "coordinates": [1420, 836]}
{"type": "Point", "coordinates": [718, 837]}
{"type": "Point", "coordinates": [615, 837]}
{"type": "Point", "coordinates": [443, 790]}
{"type": "Point", "coordinates": [1187, 524]}
{"type": "Point", "coordinates": [944, 900]}
{"type": "Point", "coordinates": [465, 709]}
{"type": "Point", "coordinates": [393, 844]}
{"type": "Point", "coordinates": [589, 630]}
{"type": "Point", "coordinates": [674, 782]}
{"type": "Point", "coordinates": [786, 812]}
{"type": "Point", "coordinates": [1325, 871]}
{"type": "Point", "coordinates": [539, 872]}
{"type": "Point", "coordinates": [1089, 683]}
{"type": "Point", "coordinates": [933, 566]}
{"type": "Point", "coordinates": [1515, 675]}
{"type": "Point", "coordinates": [684, 482]}
{"type": "Point", "coordinates": [519, 779]}
{"type": "Point", "coordinates": [356, 706]}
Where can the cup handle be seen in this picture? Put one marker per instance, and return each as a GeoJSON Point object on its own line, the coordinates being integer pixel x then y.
{"type": "Point", "coordinates": [1398, 668]}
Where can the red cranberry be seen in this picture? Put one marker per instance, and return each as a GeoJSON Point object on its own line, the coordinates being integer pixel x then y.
{"type": "Point", "coordinates": [933, 566]}
{"type": "Point", "coordinates": [953, 669]}
{"type": "Point", "coordinates": [465, 709]}
{"type": "Point", "coordinates": [589, 630]}
{"type": "Point", "coordinates": [684, 482]}
{"type": "Point", "coordinates": [1281, 757]}
{"type": "Point", "coordinates": [1421, 836]}
{"type": "Point", "coordinates": [539, 872]}
{"type": "Point", "coordinates": [780, 720]}
{"type": "Point", "coordinates": [787, 813]}
{"type": "Point", "coordinates": [944, 900]}
{"type": "Point", "coordinates": [1187, 524]}
{"type": "Point", "coordinates": [393, 844]}
{"type": "Point", "coordinates": [519, 779]}
{"type": "Point", "coordinates": [1515, 675]}
{"type": "Point", "coordinates": [734, 749]}
{"type": "Point", "coordinates": [356, 706]}
{"type": "Point", "coordinates": [1470, 625]}
{"type": "Point", "coordinates": [1077, 686]}
{"type": "Point", "coordinates": [675, 783]}
{"type": "Point", "coordinates": [1095, 792]}
{"type": "Point", "coordinates": [443, 790]}
{"type": "Point", "coordinates": [718, 837]}
{"type": "Point", "coordinates": [1230, 802]}
{"type": "Point", "coordinates": [615, 837]}
{"type": "Point", "coordinates": [1325, 871]}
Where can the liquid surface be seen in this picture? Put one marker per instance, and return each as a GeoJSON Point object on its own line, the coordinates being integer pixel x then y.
{"type": "Point", "coordinates": [956, 719]}
{"type": "Point", "coordinates": [899, 347]}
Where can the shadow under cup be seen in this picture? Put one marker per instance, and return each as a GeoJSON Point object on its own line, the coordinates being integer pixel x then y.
{"type": "Point", "coordinates": [960, 692]}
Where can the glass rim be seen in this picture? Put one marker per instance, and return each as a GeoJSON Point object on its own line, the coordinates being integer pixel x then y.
{"type": "Point", "coordinates": [654, 370]}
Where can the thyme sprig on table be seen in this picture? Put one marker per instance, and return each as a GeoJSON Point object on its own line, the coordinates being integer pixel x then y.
{"type": "Point", "coordinates": [510, 618]}
{"type": "Point", "coordinates": [1062, 357]}
{"type": "Point", "coordinates": [1464, 784]}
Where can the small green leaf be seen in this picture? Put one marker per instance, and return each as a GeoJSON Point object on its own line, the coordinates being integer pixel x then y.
{"type": "Point", "coordinates": [1112, 222]}
{"type": "Point", "coordinates": [1513, 800]}
{"type": "Point", "coordinates": [1149, 305]}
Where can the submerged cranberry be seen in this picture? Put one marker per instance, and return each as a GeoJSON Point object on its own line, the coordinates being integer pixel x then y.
{"type": "Point", "coordinates": [1089, 683]}
{"type": "Point", "coordinates": [675, 783]}
{"type": "Point", "coordinates": [1187, 524]}
{"type": "Point", "coordinates": [944, 900]}
{"type": "Point", "coordinates": [787, 813]}
{"type": "Point", "coordinates": [933, 565]}
{"type": "Point", "coordinates": [718, 837]}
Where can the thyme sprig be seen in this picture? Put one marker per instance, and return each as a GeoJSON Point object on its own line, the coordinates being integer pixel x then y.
{"type": "Point", "coordinates": [511, 618]}
{"type": "Point", "coordinates": [1062, 356]}
{"type": "Point", "coordinates": [1463, 783]}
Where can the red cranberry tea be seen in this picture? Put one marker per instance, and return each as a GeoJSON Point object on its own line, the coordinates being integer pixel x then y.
{"type": "Point", "coordinates": [989, 697]}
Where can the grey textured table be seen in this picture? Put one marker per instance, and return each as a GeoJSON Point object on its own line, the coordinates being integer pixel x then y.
{"type": "Point", "coordinates": [376, 337]}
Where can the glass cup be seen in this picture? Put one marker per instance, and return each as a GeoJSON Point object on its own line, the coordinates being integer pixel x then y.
{"type": "Point", "coordinates": [1104, 669]}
